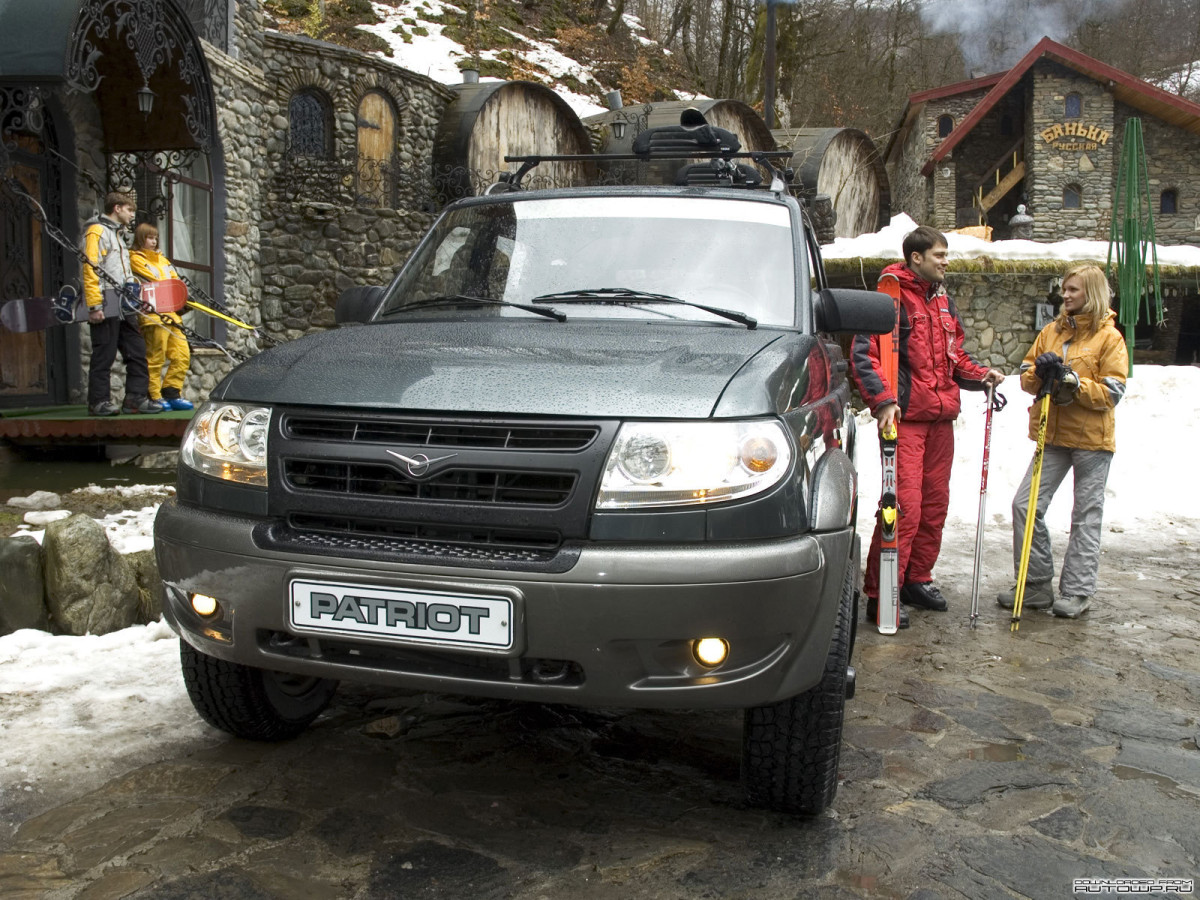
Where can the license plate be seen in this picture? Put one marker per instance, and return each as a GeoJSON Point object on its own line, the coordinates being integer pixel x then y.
{"type": "Point", "coordinates": [403, 615]}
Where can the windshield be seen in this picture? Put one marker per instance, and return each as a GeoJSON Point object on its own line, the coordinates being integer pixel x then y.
{"type": "Point", "coordinates": [732, 254]}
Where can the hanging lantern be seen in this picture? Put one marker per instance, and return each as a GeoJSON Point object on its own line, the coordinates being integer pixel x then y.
{"type": "Point", "coordinates": [145, 100]}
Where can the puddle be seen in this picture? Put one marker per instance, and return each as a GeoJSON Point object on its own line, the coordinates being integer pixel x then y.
{"type": "Point", "coordinates": [1129, 773]}
{"type": "Point", "coordinates": [996, 753]}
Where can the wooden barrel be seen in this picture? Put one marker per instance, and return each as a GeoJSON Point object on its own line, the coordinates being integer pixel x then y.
{"type": "Point", "coordinates": [732, 115]}
{"type": "Point", "coordinates": [490, 120]}
{"type": "Point", "coordinates": [845, 164]}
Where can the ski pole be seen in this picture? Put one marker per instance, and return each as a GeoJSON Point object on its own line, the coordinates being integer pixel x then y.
{"type": "Point", "coordinates": [995, 403]}
{"type": "Point", "coordinates": [1031, 510]}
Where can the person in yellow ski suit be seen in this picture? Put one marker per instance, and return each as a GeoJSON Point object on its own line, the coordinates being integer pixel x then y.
{"type": "Point", "coordinates": [164, 345]}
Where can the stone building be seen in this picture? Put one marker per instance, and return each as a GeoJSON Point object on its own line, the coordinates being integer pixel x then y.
{"type": "Point", "coordinates": [278, 169]}
{"type": "Point", "coordinates": [1047, 134]}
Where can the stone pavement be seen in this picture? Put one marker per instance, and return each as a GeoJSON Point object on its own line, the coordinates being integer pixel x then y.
{"type": "Point", "coordinates": [977, 764]}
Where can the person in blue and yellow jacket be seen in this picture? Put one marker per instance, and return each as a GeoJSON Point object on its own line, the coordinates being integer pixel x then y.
{"type": "Point", "coordinates": [164, 345]}
{"type": "Point", "coordinates": [1086, 356]}
{"type": "Point", "coordinates": [105, 252]}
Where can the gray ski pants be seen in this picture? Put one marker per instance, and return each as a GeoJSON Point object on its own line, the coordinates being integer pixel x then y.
{"type": "Point", "coordinates": [1081, 565]}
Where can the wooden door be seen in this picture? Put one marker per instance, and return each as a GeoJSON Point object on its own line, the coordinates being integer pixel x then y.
{"type": "Point", "coordinates": [376, 147]}
{"type": "Point", "coordinates": [24, 367]}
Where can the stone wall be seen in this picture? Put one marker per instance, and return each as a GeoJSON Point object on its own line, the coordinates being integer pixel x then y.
{"type": "Point", "coordinates": [314, 251]}
{"type": "Point", "coordinates": [316, 241]}
{"type": "Point", "coordinates": [1053, 169]}
{"type": "Point", "coordinates": [911, 192]}
{"type": "Point", "coordinates": [930, 200]}
{"type": "Point", "coordinates": [997, 308]}
{"type": "Point", "coordinates": [247, 41]}
{"type": "Point", "coordinates": [1173, 162]}
{"type": "Point", "coordinates": [980, 150]}
{"type": "Point", "coordinates": [239, 172]}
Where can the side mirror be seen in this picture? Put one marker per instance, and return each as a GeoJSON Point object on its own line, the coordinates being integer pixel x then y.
{"type": "Point", "coordinates": [845, 311]}
{"type": "Point", "coordinates": [357, 304]}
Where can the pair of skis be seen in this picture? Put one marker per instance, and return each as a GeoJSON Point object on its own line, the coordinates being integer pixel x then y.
{"type": "Point", "coordinates": [888, 608]}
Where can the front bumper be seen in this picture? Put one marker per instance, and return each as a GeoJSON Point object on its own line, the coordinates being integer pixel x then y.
{"type": "Point", "coordinates": [614, 630]}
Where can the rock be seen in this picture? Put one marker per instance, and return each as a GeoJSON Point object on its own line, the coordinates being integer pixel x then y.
{"type": "Point", "coordinates": [150, 587]}
{"type": "Point", "coordinates": [41, 517]}
{"type": "Point", "coordinates": [37, 500]}
{"type": "Point", "coordinates": [22, 590]}
{"type": "Point", "coordinates": [90, 588]}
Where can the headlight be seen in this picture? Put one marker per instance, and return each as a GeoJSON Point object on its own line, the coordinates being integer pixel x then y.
{"type": "Point", "coordinates": [229, 441]}
{"type": "Point", "coordinates": [687, 463]}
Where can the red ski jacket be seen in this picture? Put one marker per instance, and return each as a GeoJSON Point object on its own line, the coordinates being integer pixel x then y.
{"type": "Point", "coordinates": [933, 363]}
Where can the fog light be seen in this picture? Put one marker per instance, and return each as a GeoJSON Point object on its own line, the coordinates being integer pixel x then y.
{"type": "Point", "coordinates": [710, 651]}
{"type": "Point", "coordinates": [204, 605]}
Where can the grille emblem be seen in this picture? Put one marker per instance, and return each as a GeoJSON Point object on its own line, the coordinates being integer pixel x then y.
{"type": "Point", "coordinates": [419, 465]}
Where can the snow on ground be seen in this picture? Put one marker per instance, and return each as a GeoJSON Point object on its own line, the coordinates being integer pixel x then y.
{"type": "Point", "coordinates": [128, 531]}
{"type": "Point", "coordinates": [1156, 431]}
{"type": "Point", "coordinates": [885, 244]}
{"type": "Point", "coordinates": [438, 57]}
{"type": "Point", "coordinates": [80, 709]}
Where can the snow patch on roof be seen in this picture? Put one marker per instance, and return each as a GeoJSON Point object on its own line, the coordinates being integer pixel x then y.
{"type": "Point", "coordinates": [885, 244]}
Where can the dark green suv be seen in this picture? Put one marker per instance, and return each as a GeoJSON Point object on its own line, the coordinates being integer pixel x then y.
{"type": "Point", "coordinates": [591, 446]}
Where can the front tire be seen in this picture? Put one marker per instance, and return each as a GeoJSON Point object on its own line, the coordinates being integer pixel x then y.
{"type": "Point", "coordinates": [252, 703]}
{"type": "Point", "coordinates": [790, 749]}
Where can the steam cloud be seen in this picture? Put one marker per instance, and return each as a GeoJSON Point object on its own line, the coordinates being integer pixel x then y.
{"type": "Point", "coordinates": [994, 34]}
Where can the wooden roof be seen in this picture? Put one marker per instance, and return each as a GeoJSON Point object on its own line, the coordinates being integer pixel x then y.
{"type": "Point", "coordinates": [1168, 107]}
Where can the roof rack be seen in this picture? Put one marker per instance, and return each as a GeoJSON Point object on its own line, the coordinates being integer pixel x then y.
{"type": "Point", "coordinates": [692, 139]}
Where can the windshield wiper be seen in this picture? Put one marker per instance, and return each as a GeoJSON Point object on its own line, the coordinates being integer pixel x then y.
{"type": "Point", "coordinates": [620, 295]}
{"type": "Point", "coordinates": [468, 300]}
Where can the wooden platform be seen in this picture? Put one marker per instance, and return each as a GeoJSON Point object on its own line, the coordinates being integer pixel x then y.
{"type": "Point", "coordinates": [61, 425]}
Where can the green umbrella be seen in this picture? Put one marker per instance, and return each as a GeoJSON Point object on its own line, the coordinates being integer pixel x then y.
{"type": "Point", "coordinates": [1132, 235]}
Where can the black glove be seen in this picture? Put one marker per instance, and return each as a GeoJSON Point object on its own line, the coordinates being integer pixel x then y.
{"type": "Point", "coordinates": [1047, 366]}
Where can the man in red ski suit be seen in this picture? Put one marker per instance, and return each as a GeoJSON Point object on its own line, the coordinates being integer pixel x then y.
{"type": "Point", "coordinates": [932, 367]}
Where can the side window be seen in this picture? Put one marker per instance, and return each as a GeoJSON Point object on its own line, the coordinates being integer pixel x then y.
{"type": "Point", "coordinates": [310, 125]}
{"type": "Point", "coordinates": [1168, 201]}
{"type": "Point", "coordinates": [1006, 126]}
{"type": "Point", "coordinates": [1072, 197]}
{"type": "Point", "coordinates": [945, 126]}
{"type": "Point", "coordinates": [1073, 106]}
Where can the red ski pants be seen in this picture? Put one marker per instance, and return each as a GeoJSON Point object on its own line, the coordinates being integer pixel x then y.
{"type": "Point", "coordinates": [924, 455]}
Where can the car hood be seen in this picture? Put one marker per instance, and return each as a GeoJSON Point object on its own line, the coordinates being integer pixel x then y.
{"type": "Point", "coordinates": [517, 366]}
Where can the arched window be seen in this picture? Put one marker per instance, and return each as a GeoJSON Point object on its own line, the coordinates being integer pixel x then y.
{"type": "Point", "coordinates": [1072, 197]}
{"type": "Point", "coordinates": [1073, 106]}
{"type": "Point", "coordinates": [1168, 201]}
{"type": "Point", "coordinates": [376, 150]}
{"type": "Point", "coordinates": [310, 125]}
{"type": "Point", "coordinates": [945, 126]}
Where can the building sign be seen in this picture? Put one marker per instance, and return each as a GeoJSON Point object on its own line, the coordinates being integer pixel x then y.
{"type": "Point", "coordinates": [1068, 136]}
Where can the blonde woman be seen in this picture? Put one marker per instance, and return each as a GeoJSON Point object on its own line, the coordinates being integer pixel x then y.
{"type": "Point", "coordinates": [164, 345]}
{"type": "Point", "coordinates": [1085, 353]}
